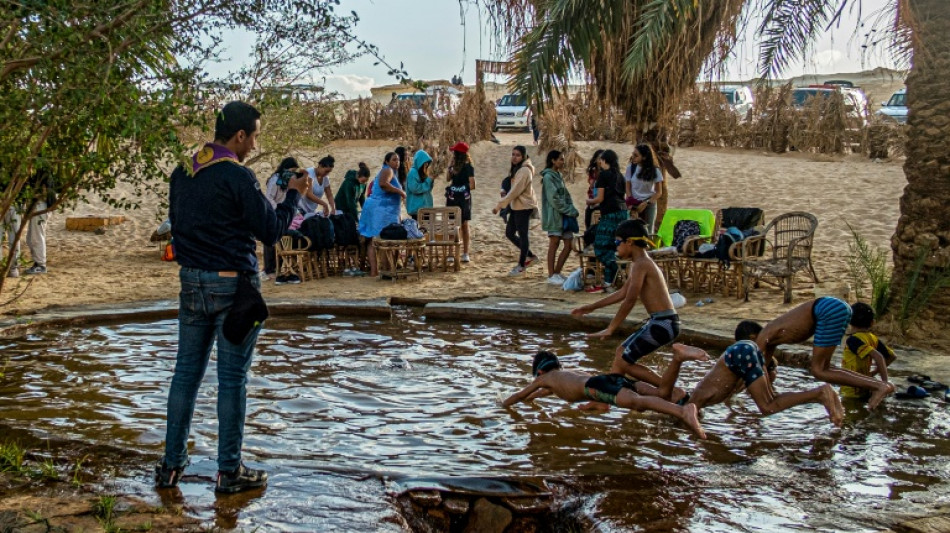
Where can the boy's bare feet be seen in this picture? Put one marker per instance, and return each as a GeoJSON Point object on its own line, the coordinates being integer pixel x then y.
{"type": "Point", "coordinates": [884, 390]}
{"type": "Point", "coordinates": [691, 417]}
{"type": "Point", "coordinates": [832, 403]}
{"type": "Point", "coordinates": [597, 407]}
{"type": "Point", "coordinates": [685, 352]}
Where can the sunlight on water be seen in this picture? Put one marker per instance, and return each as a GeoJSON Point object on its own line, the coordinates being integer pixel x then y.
{"type": "Point", "coordinates": [407, 397]}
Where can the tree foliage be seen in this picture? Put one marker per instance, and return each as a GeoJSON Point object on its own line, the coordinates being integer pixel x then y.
{"type": "Point", "coordinates": [95, 91]}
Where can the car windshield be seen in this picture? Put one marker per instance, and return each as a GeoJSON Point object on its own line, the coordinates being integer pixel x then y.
{"type": "Point", "coordinates": [730, 96]}
{"type": "Point", "coordinates": [513, 100]}
{"type": "Point", "coordinates": [898, 100]}
{"type": "Point", "coordinates": [417, 100]}
{"type": "Point", "coordinates": [801, 96]}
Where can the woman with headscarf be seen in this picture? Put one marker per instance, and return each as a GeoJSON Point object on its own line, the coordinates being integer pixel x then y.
{"type": "Point", "coordinates": [419, 184]}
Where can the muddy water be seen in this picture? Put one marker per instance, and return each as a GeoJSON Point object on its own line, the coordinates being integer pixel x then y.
{"type": "Point", "coordinates": [339, 409]}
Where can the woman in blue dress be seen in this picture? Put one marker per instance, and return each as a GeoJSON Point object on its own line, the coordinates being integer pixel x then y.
{"type": "Point", "coordinates": [382, 208]}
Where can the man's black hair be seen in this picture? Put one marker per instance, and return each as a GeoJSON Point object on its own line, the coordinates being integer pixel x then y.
{"type": "Point", "coordinates": [747, 329]}
{"type": "Point", "coordinates": [545, 361]}
{"type": "Point", "coordinates": [632, 228]}
{"type": "Point", "coordinates": [862, 315]}
{"type": "Point", "coordinates": [327, 162]}
{"type": "Point", "coordinates": [234, 117]}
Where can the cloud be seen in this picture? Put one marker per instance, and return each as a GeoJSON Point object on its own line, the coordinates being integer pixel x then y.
{"type": "Point", "coordinates": [828, 60]}
{"type": "Point", "coordinates": [351, 85]}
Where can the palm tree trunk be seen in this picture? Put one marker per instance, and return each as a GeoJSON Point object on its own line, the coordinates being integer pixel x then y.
{"type": "Point", "coordinates": [924, 224]}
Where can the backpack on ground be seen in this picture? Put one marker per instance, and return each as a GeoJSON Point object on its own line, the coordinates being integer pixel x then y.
{"type": "Point", "coordinates": [345, 232]}
{"type": "Point", "coordinates": [319, 230]}
{"type": "Point", "coordinates": [683, 230]}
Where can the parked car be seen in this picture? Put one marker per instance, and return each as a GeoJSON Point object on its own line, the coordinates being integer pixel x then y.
{"type": "Point", "coordinates": [418, 104]}
{"type": "Point", "coordinates": [855, 106]}
{"type": "Point", "coordinates": [512, 112]}
{"type": "Point", "coordinates": [739, 98]}
{"type": "Point", "coordinates": [895, 108]}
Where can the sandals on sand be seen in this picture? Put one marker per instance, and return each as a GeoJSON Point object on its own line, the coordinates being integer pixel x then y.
{"type": "Point", "coordinates": [914, 392]}
{"type": "Point", "coordinates": [926, 383]}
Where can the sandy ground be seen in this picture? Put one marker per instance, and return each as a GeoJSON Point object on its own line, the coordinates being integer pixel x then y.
{"type": "Point", "coordinates": [121, 265]}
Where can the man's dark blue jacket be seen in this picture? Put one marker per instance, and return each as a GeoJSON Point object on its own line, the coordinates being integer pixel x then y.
{"type": "Point", "coordinates": [219, 213]}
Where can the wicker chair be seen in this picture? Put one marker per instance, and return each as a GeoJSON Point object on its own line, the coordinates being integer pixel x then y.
{"type": "Point", "coordinates": [443, 237]}
{"type": "Point", "coordinates": [711, 274]}
{"type": "Point", "coordinates": [294, 257]}
{"type": "Point", "coordinates": [788, 239]}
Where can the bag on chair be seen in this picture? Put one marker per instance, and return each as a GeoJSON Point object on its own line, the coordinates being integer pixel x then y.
{"type": "Point", "coordinates": [394, 232]}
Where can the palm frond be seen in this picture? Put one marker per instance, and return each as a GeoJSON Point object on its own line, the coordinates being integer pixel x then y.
{"type": "Point", "coordinates": [789, 27]}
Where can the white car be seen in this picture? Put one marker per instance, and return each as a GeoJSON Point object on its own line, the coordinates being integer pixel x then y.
{"type": "Point", "coordinates": [895, 108]}
{"type": "Point", "coordinates": [512, 112]}
{"type": "Point", "coordinates": [739, 98]}
{"type": "Point", "coordinates": [419, 104]}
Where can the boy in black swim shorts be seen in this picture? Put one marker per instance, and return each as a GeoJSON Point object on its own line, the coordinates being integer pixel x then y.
{"type": "Point", "coordinates": [645, 282]}
{"type": "Point", "coordinates": [610, 388]}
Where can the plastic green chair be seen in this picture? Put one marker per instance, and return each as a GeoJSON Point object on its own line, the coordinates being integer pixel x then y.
{"type": "Point", "coordinates": [705, 217]}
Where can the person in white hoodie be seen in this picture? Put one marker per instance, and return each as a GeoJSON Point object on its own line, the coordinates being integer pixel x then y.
{"type": "Point", "coordinates": [522, 201]}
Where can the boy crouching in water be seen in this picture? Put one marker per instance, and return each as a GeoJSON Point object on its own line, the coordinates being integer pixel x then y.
{"type": "Point", "coordinates": [613, 389]}
{"type": "Point", "coordinates": [864, 348]}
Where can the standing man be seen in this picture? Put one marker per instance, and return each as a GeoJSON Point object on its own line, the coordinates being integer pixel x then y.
{"type": "Point", "coordinates": [43, 186]}
{"type": "Point", "coordinates": [218, 211]}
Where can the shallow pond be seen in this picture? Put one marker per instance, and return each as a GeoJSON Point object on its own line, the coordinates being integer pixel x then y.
{"type": "Point", "coordinates": [339, 409]}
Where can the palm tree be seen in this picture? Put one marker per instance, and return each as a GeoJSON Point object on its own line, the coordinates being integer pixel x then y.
{"type": "Point", "coordinates": [642, 56]}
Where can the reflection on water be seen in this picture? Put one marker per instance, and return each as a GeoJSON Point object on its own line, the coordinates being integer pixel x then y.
{"type": "Point", "coordinates": [332, 411]}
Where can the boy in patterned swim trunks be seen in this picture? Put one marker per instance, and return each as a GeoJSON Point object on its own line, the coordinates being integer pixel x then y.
{"type": "Point", "coordinates": [827, 319]}
{"type": "Point", "coordinates": [645, 281]}
{"type": "Point", "coordinates": [743, 364]}
{"type": "Point", "coordinates": [612, 389]}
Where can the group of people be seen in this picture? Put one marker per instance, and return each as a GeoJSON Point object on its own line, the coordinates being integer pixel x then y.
{"type": "Point", "coordinates": [748, 363]}
{"type": "Point", "coordinates": [614, 195]}
{"type": "Point", "coordinates": [373, 204]}
{"type": "Point", "coordinates": [218, 213]}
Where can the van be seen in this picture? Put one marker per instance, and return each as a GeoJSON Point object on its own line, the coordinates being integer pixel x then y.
{"type": "Point", "coordinates": [511, 111]}
{"type": "Point", "coordinates": [739, 99]}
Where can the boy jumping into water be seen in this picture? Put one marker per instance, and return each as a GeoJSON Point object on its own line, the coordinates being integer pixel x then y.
{"type": "Point", "coordinates": [645, 281]}
{"type": "Point", "coordinates": [743, 364]}
{"type": "Point", "coordinates": [613, 389]}
{"type": "Point", "coordinates": [827, 319]}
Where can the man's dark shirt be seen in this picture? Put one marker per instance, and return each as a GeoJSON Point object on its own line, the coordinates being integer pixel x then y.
{"type": "Point", "coordinates": [218, 213]}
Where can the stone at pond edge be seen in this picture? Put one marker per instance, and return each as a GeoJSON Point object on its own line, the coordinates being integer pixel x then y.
{"type": "Point", "coordinates": [455, 505]}
{"type": "Point", "coordinates": [528, 505]}
{"type": "Point", "coordinates": [426, 498]}
{"type": "Point", "coordinates": [487, 517]}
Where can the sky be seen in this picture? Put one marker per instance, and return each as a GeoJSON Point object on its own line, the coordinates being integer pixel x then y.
{"type": "Point", "coordinates": [428, 37]}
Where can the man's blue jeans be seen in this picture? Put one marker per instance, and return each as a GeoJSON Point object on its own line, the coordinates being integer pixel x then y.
{"type": "Point", "coordinates": [203, 304]}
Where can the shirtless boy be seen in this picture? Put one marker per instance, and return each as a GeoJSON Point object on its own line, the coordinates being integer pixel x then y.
{"type": "Point", "coordinates": [743, 364]}
{"type": "Point", "coordinates": [645, 281]}
{"type": "Point", "coordinates": [827, 319]}
{"type": "Point", "coordinates": [613, 389]}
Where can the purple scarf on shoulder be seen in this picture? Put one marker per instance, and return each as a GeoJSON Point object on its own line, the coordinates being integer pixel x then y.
{"type": "Point", "coordinates": [210, 154]}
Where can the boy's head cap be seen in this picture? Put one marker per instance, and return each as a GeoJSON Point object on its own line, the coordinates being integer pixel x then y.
{"type": "Point", "coordinates": [544, 361]}
{"type": "Point", "coordinates": [862, 315]}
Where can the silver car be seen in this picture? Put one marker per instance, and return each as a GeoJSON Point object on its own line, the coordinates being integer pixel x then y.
{"type": "Point", "coordinates": [895, 108]}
